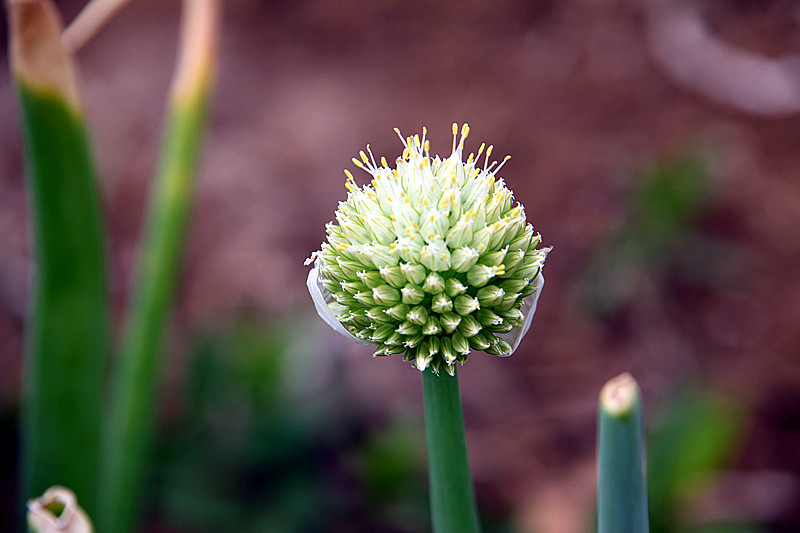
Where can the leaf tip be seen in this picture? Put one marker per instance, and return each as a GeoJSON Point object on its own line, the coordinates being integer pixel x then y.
{"type": "Point", "coordinates": [37, 56]}
{"type": "Point", "coordinates": [620, 395]}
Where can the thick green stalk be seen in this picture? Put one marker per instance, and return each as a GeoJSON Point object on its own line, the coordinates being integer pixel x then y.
{"type": "Point", "coordinates": [621, 479]}
{"type": "Point", "coordinates": [68, 335]}
{"type": "Point", "coordinates": [453, 508]}
{"type": "Point", "coordinates": [134, 393]}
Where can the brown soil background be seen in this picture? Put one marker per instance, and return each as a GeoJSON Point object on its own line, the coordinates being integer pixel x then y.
{"type": "Point", "coordinates": [572, 92]}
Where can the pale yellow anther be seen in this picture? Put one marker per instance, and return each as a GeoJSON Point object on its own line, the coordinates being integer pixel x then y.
{"type": "Point", "coordinates": [465, 130]}
{"type": "Point", "coordinates": [455, 128]}
{"type": "Point", "coordinates": [363, 156]}
{"type": "Point", "coordinates": [384, 163]}
{"type": "Point", "coordinates": [427, 145]}
{"type": "Point", "coordinates": [481, 149]}
{"type": "Point", "coordinates": [358, 163]}
{"type": "Point", "coordinates": [424, 131]}
{"type": "Point", "coordinates": [489, 151]}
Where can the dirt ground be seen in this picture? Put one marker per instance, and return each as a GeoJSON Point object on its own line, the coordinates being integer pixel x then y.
{"type": "Point", "coordinates": [574, 92]}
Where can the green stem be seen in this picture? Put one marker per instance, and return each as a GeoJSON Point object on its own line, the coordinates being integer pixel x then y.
{"type": "Point", "coordinates": [622, 483]}
{"type": "Point", "coordinates": [453, 508]}
{"type": "Point", "coordinates": [68, 335]}
{"type": "Point", "coordinates": [134, 395]}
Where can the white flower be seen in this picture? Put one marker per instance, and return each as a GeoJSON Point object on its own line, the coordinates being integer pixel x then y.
{"type": "Point", "coordinates": [431, 259]}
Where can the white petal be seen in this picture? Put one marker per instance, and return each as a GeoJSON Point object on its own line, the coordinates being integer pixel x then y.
{"type": "Point", "coordinates": [322, 297]}
{"type": "Point", "coordinates": [514, 337]}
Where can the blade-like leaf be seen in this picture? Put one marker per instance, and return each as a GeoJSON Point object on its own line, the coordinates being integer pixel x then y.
{"type": "Point", "coordinates": [68, 335]}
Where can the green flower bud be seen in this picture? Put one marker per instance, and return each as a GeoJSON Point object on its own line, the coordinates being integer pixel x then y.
{"type": "Point", "coordinates": [431, 327]}
{"type": "Point", "coordinates": [453, 287]}
{"type": "Point", "coordinates": [479, 275]}
{"type": "Point", "coordinates": [435, 256]}
{"type": "Point", "coordinates": [465, 304]}
{"type": "Point", "coordinates": [414, 273]}
{"type": "Point", "coordinates": [385, 295]}
{"type": "Point", "coordinates": [490, 295]}
{"type": "Point", "coordinates": [441, 303]}
{"type": "Point", "coordinates": [469, 326]}
{"type": "Point", "coordinates": [460, 343]}
{"type": "Point", "coordinates": [450, 322]}
{"type": "Point", "coordinates": [418, 315]}
{"type": "Point", "coordinates": [487, 317]}
{"type": "Point", "coordinates": [431, 259]}
{"type": "Point", "coordinates": [378, 314]}
{"type": "Point", "coordinates": [363, 297]}
{"type": "Point", "coordinates": [479, 341]}
{"type": "Point", "coordinates": [411, 294]}
{"type": "Point", "coordinates": [398, 312]}
{"type": "Point", "coordinates": [513, 285]}
{"type": "Point", "coordinates": [447, 351]}
{"type": "Point", "coordinates": [501, 349]}
{"type": "Point", "coordinates": [393, 275]}
{"type": "Point", "coordinates": [408, 328]}
{"type": "Point", "coordinates": [383, 332]}
{"type": "Point", "coordinates": [434, 283]}
{"type": "Point", "coordinates": [464, 258]}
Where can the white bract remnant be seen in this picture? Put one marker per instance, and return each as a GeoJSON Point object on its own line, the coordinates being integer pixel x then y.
{"type": "Point", "coordinates": [432, 258]}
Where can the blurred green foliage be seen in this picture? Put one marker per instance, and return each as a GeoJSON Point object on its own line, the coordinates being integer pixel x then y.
{"type": "Point", "coordinates": [266, 434]}
{"type": "Point", "coordinates": [696, 438]}
{"type": "Point", "coordinates": [660, 239]}
{"type": "Point", "coordinates": [255, 446]}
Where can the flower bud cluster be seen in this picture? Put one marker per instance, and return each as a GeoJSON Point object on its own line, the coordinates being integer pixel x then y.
{"type": "Point", "coordinates": [432, 259]}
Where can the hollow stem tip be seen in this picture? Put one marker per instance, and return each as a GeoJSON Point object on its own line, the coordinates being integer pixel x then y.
{"type": "Point", "coordinates": [57, 511]}
{"type": "Point", "coordinates": [620, 396]}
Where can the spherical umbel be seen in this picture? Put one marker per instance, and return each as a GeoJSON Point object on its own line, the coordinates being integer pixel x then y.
{"type": "Point", "coordinates": [431, 259]}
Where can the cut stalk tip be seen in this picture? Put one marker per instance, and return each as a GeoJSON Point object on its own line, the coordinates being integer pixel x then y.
{"type": "Point", "coordinates": [197, 50]}
{"type": "Point", "coordinates": [37, 57]}
{"type": "Point", "coordinates": [619, 395]}
{"type": "Point", "coordinates": [57, 511]}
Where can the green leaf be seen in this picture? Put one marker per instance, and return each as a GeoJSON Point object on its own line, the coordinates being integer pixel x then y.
{"type": "Point", "coordinates": [135, 384]}
{"type": "Point", "coordinates": [621, 481]}
{"type": "Point", "coordinates": [68, 336]}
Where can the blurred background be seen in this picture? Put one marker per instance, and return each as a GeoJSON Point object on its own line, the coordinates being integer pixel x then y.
{"type": "Point", "coordinates": [656, 147]}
